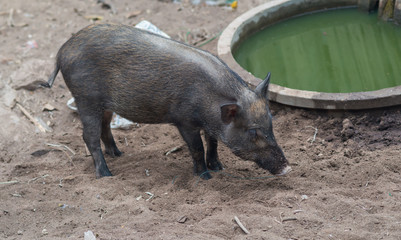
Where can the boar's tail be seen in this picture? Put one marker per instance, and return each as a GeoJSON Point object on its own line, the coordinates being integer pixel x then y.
{"type": "Point", "coordinates": [50, 82]}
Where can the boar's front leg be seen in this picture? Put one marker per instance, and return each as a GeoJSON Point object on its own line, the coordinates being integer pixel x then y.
{"type": "Point", "coordinates": [194, 141]}
{"type": "Point", "coordinates": [92, 120]}
{"type": "Point", "coordinates": [212, 159]}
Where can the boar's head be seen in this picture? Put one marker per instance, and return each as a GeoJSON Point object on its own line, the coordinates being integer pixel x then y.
{"type": "Point", "coordinates": [249, 130]}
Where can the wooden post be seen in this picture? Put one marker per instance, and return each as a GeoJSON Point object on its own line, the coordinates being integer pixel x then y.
{"type": "Point", "coordinates": [382, 3]}
{"type": "Point", "coordinates": [397, 12]}
{"type": "Point", "coordinates": [386, 9]}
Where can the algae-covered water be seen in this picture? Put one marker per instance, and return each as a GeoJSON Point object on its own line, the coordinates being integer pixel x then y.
{"type": "Point", "coordinates": [336, 51]}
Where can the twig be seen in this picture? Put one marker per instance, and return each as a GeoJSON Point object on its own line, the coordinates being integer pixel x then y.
{"type": "Point", "coordinates": [87, 152]}
{"type": "Point", "coordinates": [286, 219]}
{"type": "Point", "coordinates": [186, 37]}
{"type": "Point", "coordinates": [175, 149]}
{"type": "Point", "coordinates": [209, 40]}
{"type": "Point", "coordinates": [10, 182]}
{"type": "Point", "coordinates": [289, 219]}
{"type": "Point", "coordinates": [61, 146]}
{"type": "Point", "coordinates": [314, 135]}
{"type": "Point", "coordinates": [277, 221]}
{"type": "Point", "coordinates": [34, 179]}
{"type": "Point", "coordinates": [31, 118]}
{"type": "Point", "coordinates": [174, 178]}
{"type": "Point", "coordinates": [10, 21]}
{"type": "Point", "coordinates": [150, 194]}
{"type": "Point", "coordinates": [241, 225]}
{"type": "Point", "coordinates": [365, 208]}
{"type": "Point", "coordinates": [281, 217]}
{"type": "Point", "coordinates": [65, 152]}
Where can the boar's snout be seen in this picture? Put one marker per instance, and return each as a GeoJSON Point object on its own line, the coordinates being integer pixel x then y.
{"type": "Point", "coordinates": [285, 171]}
{"type": "Point", "coordinates": [274, 161]}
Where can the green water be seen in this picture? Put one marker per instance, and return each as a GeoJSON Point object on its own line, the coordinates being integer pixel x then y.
{"type": "Point", "coordinates": [336, 51]}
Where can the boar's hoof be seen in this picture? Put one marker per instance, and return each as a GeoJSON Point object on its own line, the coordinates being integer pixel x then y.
{"type": "Point", "coordinates": [205, 175]}
{"type": "Point", "coordinates": [114, 153]}
{"type": "Point", "coordinates": [215, 165]}
{"type": "Point", "coordinates": [105, 172]}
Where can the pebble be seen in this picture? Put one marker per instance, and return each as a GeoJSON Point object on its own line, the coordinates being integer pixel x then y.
{"type": "Point", "coordinates": [348, 130]}
{"type": "Point", "coordinates": [89, 235]}
{"type": "Point", "coordinates": [182, 219]}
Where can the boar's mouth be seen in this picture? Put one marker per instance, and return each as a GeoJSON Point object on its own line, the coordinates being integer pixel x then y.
{"type": "Point", "coordinates": [274, 161]}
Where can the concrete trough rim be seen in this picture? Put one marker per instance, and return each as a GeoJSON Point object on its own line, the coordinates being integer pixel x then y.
{"type": "Point", "coordinates": [300, 98]}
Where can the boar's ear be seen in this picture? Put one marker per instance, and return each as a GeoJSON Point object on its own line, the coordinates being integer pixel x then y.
{"type": "Point", "coordinates": [262, 88]}
{"type": "Point", "coordinates": [229, 112]}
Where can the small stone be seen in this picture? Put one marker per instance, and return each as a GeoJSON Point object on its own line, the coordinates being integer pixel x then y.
{"type": "Point", "coordinates": [134, 14]}
{"type": "Point", "coordinates": [330, 138]}
{"type": "Point", "coordinates": [45, 232]}
{"type": "Point", "coordinates": [348, 130]}
{"type": "Point", "coordinates": [385, 123]}
{"type": "Point", "coordinates": [182, 219]}
{"type": "Point", "coordinates": [348, 153]}
{"type": "Point", "coordinates": [48, 107]}
{"type": "Point", "coordinates": [19, 232]}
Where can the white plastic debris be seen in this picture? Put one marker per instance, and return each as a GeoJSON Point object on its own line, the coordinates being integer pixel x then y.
{"type": "Point", "coordinates": [45, 232]}
{"type": "Point", "coordinates": [148, 26]}
{"type": "Point", "coordinates": [118, 121]}
{"type": "Point", "coordinates": [89, 235]}
{"type": "Point", "coordinates": [71, 104]}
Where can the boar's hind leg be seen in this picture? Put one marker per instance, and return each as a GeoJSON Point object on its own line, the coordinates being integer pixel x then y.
{"type": "Point", "coordinates": [92, 121]}
{"type": "Point", "coordinates": [194, 141]}
{"type": "Point", "coordinates": [107, 137]}
{"type": "Point", "coordinates": [212, 159]}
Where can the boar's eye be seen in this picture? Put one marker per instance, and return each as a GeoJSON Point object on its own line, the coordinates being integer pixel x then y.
{"type": "Point", "coordinates": [252, 133]}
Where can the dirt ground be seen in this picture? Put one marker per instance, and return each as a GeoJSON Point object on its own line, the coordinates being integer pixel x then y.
{"type": "Point", "coordinates": [345, 182]}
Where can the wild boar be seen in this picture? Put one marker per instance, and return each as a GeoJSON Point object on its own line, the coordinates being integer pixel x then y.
{"type": "Point", "coordinates": [150, 79]}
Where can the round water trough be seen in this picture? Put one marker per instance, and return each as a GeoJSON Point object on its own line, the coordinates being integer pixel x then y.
{"type": "Point", "coordinates": [276, 11]}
